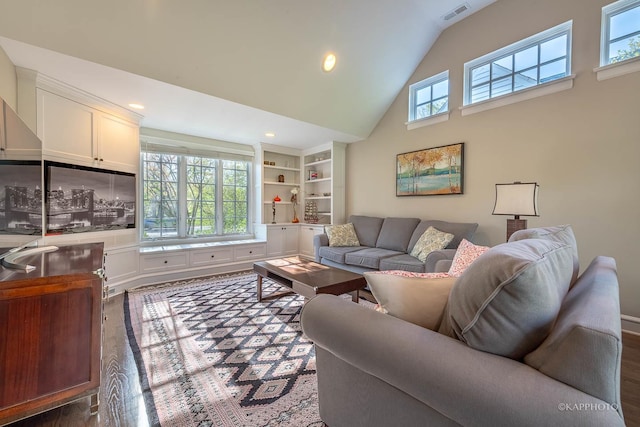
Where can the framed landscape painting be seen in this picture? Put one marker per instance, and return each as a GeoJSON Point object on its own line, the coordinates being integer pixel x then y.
{"type": "Point", "coordinates": [430, 172]}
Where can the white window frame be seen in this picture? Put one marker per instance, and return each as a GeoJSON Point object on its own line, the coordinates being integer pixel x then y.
{"type": "Point", "coordinates": [525, 93]}
{"type": "Point", "coordinates": [187, 150]}
{"type": "Point", "coordinates": [607, 69]}
{"type": "Point", "coordinates": [414, 123]}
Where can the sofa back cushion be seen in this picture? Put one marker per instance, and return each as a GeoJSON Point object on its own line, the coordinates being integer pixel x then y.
{"type": "Point", "coordinates": [584, 349]}
{"type": "Point", "coordinates": [507, 300]}
{"type": "Point", "coordinates": [560, 233]}
{"type": "Point", "coordinates": [460, 230]}
{"type": "Point", "coordinates": [396, 233]}
{"type": "Point", "coordinates": [367, 228]}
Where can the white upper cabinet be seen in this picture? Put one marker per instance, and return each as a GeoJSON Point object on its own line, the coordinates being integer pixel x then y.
{"type": "Point", "coordinates": [72, 132]}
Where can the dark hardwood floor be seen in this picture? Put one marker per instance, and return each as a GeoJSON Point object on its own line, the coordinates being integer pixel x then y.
{"type": "Point", "coordinates": [121, 403]}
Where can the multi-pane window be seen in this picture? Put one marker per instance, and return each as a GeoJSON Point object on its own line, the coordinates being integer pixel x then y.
{"type": "Point", "coordinates": [536, 60]}
{"type": "Point", "coordinates": [620, 31]}
{"type": "Point", "coordinates": [194, 196]}
{"type": "Point", "coordinates": [429, 97]}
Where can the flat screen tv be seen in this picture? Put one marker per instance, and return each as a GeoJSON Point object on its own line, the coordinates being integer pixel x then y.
{"type": "Point", "coordinates": [21, 197]}
{"type": "Point", "coordinates": [81, 199]}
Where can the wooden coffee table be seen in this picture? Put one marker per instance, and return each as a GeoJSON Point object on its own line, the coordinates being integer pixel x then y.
{"type": "Point", "coordinates": [308, 278]}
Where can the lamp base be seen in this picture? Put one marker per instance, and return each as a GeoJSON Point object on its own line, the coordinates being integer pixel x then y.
{"type": "Point", "coordinates": [514, 225]}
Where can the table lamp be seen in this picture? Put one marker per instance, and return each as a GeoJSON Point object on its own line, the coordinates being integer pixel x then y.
{"type": "Point", "coordinates": [517, 199]}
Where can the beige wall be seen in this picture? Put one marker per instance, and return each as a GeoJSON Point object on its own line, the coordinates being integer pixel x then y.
{"type": "Point", "coordinates": [7, 80]}
{"type": "Point", "coordinates": [581, 145]}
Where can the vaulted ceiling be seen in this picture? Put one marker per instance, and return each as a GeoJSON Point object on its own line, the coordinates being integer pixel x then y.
{"type": "Point", "coordinates": [234, 69]}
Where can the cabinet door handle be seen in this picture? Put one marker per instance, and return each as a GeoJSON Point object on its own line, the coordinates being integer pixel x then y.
{"type": "Point", "coordinates": [95, 158]}
{"type": "Point", "coordinates": [213, 256]}
{"type": "Point", "coordinates": [165, 261]}
{"type": "Point", "coordinates": [1, 148]}
{"type": "Point", "coordinates": [250, 252]}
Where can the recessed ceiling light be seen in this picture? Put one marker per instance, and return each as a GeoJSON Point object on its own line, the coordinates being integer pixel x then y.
{"type": "Point", "coordinates": [136, 106]}
{"type": "Point", "coordinates": [329, 62]}
{"type": "Point", "coordinates": [269, 134]}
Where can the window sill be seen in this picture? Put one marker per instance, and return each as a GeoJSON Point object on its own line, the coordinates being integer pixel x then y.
{"type": "Point", "coordinates": [428, 121]}
{"type": "Point", "coordinates": [559, 85]}
{"type": "Point", "coordinates": [617, 69]}
{"type": "Point", "coordinates": [179, 247]}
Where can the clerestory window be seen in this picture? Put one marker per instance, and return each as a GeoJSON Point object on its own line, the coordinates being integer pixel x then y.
{"type": "Point", "coordinates": [620, 38]}
{"type": "Point", "coordinates": [429, 97]}
{"type": "Point", "coordinates": [536, 60]}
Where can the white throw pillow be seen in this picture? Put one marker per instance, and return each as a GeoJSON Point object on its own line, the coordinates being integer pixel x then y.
{"type": "Point", "coordinates": [418, 298]}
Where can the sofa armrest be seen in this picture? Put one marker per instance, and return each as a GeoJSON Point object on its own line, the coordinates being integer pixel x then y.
{"type": "Point", "coordinates": [319, 240]}
{"type": "Point", "coordinates": [465, 385]}
{"type": "Point", "coordinates": [443, 266]}
{"type": "Point", "coordinates": [435, 256]}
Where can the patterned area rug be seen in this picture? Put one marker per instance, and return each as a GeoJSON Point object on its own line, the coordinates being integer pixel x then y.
{"type": "Point", "coordinates": [209, 354]}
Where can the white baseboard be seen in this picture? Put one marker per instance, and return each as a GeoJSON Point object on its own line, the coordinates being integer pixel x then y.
{"type": "Point", "coordinates": [630, 324]}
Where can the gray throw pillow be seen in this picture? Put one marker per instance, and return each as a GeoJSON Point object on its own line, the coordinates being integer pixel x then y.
{"type": "Point", "coordinates": [558, 233]}
{"type": "Point", "coordinates": [507, 300]}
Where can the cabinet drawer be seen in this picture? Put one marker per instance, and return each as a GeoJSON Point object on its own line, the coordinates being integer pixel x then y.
{"type": "Point", "coordinates": [211, 256]}
{"type": "Point", "coordinates": [149, 263]}
{"type": "Point", "coordinates": [250, 252]}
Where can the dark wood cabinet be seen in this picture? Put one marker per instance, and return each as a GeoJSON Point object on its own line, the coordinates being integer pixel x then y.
{"type": "Point", "coordinates": [50, 331]}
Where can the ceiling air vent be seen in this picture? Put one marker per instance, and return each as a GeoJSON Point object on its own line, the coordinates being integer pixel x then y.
{"type": "Point", "coordinates": [456, 11]}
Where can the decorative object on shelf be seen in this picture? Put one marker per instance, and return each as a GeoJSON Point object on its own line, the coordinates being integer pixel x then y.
{"type": "Point", "coordinates": [272, 163]}
{"type": "Point", "coordinates": [311, 212]}
{"type": "Point", "coordinates": [519, 198]}
{"type": "Point", "coordinates": [313, 174]}
{"type": "Point", "coordinates": [294, 202]}
{"type": "Point", "coordinates": [433, 171]}
{"type": "Point", "coordinates": [273, 207]}
{"type": "Point", "coordinates": [280, 178]}
{"type": "Point", "coordinates": [326, 194]}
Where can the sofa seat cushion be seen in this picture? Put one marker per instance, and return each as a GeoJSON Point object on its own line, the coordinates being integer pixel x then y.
{"type": "Point", "coordinates": [507, 300]}
{"type": "Point", "coordinates": [396, 233]}
{"type": "Point", "coordinates": [337, 253]}
{"type": "Point", "coordinates": [416, 298]}
{"type": "Point", "coordinates": [369, 257]}
{"type": "Point", "coordinates": [404, 262]}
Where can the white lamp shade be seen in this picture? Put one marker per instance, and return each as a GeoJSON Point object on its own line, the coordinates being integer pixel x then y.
{"type": "Point", "coordinates": [516, 199]}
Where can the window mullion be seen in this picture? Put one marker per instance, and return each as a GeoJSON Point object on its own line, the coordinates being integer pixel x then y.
{"type": "Point", "coordinates": [182, 196]}
{"type": "Point", "coordinates": [219, 202]}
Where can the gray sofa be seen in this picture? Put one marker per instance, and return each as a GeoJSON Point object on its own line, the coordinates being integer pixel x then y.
{"type": "Point", "coordinates": [378, 370]}
{"type": "Point", "coordinates": [385, 244]}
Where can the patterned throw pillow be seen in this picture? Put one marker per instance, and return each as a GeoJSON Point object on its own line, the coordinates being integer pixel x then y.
{"type": "Point", "coordinates": [467, 253]}
{"type": "Point", "coordinates": [431, 240]}
{"type": "Point", "coordinates": [342, 235]}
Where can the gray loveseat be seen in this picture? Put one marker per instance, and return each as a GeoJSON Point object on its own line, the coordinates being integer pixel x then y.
{"type": "Point", "coordinates": [378, 370]}
{"type": "Point", "coordinates": [385, 244]}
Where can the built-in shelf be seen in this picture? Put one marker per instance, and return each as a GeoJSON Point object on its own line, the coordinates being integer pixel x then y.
{"type": "Point", "coordinates": [318, 180]}
{"type": "Point", "coordinates": [318, 197]}
{"type": "Point", "coordinates": [283, 168]}
{"type": "Point", "coordinates": [289, 184]}
{"type": "Point", "coordinates": [319, 162]}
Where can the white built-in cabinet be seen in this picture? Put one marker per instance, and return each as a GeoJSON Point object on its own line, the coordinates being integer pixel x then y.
{"type": "Point", "coordinates": [307, 233]}
{"type": "Point", "coordinates": [73, 132]}
{"type": "Point", "coordinates": [282, 240]}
